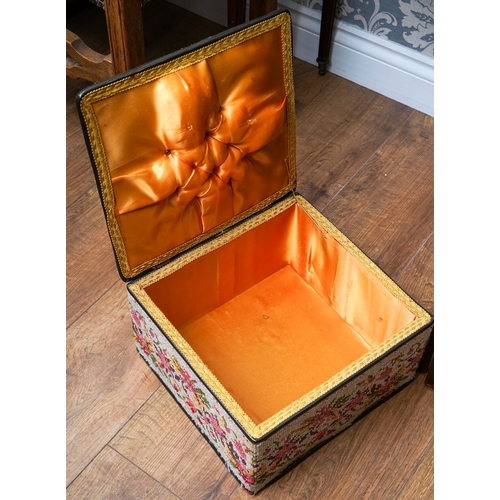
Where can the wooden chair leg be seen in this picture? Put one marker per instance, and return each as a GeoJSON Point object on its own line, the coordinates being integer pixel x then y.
{"type": "Point", "coordinates": [423, 366]}
{"type": "Point", "coordinates": [429, 378]}
{"type": "Point", "coordinates": [126, 38]}
{"type": "Point", "coordinates": [261, 7]}
{"type": "Point", "coordinates": [325, 34]}
{"type": "Point", "coordinates": [126, 42]}
{"type": "Point", "coordinates": [236, 11]}
{"type": "Point", "coordinates": [125, 33]}
{"type": "Point", "coordinates": [427, 362]}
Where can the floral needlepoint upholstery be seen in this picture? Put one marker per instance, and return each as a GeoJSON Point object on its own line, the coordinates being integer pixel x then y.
{"type": "Point", "coordinates": [256, 464]}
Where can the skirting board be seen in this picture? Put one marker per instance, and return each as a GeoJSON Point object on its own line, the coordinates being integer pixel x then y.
{"type": "Point", "coordinates": [385, 67]}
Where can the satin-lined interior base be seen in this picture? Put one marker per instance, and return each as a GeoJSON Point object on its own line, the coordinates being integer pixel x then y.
{"type": "Point", "coordinates": [278, 310]}
{"type": "Point", "coordinates": [268, 328]}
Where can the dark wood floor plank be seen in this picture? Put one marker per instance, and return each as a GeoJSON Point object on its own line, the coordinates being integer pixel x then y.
{"type": "Point", "coordinates": [163, 442]}
{"type": "Point", "coordinates": [308, 85]}
{"type": "Point", "coordinates": [80, 179]}
{"type": "Point", "coordinates": [79, 176]}
{"type": "Point", "coordinates": [73, 87]}
{"type": "Point", "coordinates": [90, 265]}
{"type": "Point", "coordinates": [387, 208]}
{"type": "Point", "coordinates": [112, 477]}
{"type": "Point", "coordinates": [418, 277]}
{"type": "Point", "coordinates": [421, 484]}
{"type": "Point", "coordinates": [106, 379]}
{"type": "Point", "coordinates": [335, 141]}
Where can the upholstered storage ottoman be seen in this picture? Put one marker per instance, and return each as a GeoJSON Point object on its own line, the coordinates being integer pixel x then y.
{"type": "Point", "coordinates": [270, 328]}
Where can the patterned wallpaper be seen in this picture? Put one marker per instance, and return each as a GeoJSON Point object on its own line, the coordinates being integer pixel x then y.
{"type": "Point", "coordinates": [407, 22]}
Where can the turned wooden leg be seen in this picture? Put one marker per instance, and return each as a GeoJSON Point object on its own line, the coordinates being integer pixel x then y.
{"type": "Point", "coordinates": [427, 362]}
{"type": "Point", "coordinates": [125, 33]}
{"type": "Point", "coordinates": [261, 7]}
{"type": "Point", "coordinates": [236, 10]}
{"type": "Point", "coordinates": [325, 34]}
{"type": "Point", "coordinates": [83, 62]}
{"type": "Point", "coordinates": [429, 378]}
{"type": "Point", "coordinates": [427, 356]}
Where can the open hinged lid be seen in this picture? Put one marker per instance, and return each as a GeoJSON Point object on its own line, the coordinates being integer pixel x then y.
{"type": "Point", "coordinates": [192, 143]}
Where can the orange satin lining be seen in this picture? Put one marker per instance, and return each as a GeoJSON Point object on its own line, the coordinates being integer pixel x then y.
{"type": "Point", "coordinates": [189, 150]}
{"type": "Point", "coordinates": [278, 310]}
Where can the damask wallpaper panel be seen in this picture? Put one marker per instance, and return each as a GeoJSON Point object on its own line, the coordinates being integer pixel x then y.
{"type": "Point", "coordinates": [407, 22]}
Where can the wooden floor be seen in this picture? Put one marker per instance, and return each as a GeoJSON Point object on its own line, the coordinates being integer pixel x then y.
{"type": "Point", "coordinates": [366, 162]}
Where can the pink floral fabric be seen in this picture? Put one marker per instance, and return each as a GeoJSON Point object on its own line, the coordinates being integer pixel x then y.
{"type": "Point", "coordinates": [257, 464]}
{"type": "Point", "coordinates": [205, 411]}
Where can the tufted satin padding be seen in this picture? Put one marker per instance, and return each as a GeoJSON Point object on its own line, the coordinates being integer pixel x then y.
{"type": "Point", "coordinates": [192, 149]}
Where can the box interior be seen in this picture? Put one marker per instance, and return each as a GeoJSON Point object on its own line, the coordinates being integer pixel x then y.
{"type": "Point", "coordinates": [278, 310]}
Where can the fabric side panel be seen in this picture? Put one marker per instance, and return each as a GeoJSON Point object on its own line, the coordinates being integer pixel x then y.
{"type": "Point", "coordinates": [205, 411]}
{"type": "Point", "coordinates": [339, 410]}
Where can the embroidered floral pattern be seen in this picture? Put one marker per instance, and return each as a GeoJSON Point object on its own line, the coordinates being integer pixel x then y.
{"type": "Point", "coordinates": [209, 416]}
{"type": "Point", "coordinates": [256, 464]}
{"type": "Point", "coordinates": [339, 410]}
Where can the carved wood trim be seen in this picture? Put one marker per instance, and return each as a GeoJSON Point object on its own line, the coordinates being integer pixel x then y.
{"type": "Point", "coordinates": [83, 62]}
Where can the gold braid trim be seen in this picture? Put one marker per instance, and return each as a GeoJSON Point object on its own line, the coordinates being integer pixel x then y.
{"type": "Point", "coordinates": [286, 38]}
{"type": "Point", "coordinates": [106, 187]}
{"type": "Point", "coordinates": [422, 318]}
